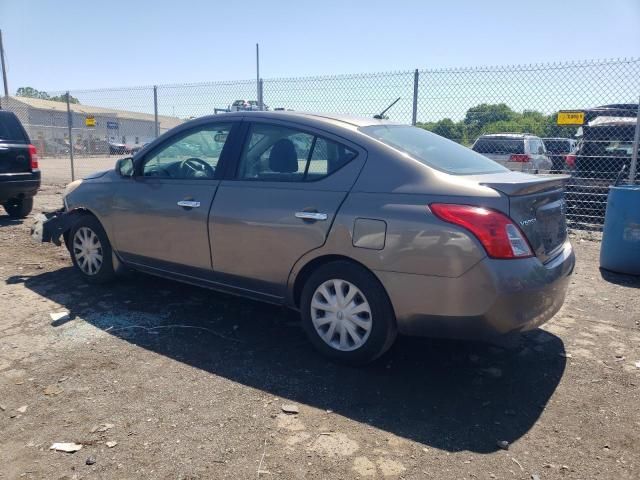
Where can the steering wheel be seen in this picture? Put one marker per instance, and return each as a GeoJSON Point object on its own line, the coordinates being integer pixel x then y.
{"type": "Point", "coordinates": [196, 167]}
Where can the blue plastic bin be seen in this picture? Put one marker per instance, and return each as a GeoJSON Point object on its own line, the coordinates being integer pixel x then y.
{"type": "Point", "coordinates": [620, 249]}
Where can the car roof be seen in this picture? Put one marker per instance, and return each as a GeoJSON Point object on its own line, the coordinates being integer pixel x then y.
{"type": "Point", "coordinates": [559, 138]}
{"type": "Point", "coordinates": [509, 135]}
{"type": "Point", "coordinates": [304, 117]}
{"type": "Point", "coordinates": [611, 121]}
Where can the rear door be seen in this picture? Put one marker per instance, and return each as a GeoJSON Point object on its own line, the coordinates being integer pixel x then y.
{"type": "Point", "coordinates": [14, 145]}
{"type": "Point", "coordinates": [278, 204]}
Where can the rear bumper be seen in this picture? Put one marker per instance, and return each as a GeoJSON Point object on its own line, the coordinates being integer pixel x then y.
{"type": "Point", "coordinates": [19, 185]}
{"type": "Point", "coordinates": [493, 298]}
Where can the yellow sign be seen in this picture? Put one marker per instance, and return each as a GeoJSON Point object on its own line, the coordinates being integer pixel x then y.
{"type": "Point", "coordinates": [90, 122]}
{"type": "Point", "coordinates": [570, 118]}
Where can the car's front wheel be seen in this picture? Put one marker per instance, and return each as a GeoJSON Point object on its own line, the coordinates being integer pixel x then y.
{"type": "Point", "coordinates": [346, 313]}
{"type": "Point", "coordinates": [90, 250]}
{"type": "Point", "coordinates": [19, 207]}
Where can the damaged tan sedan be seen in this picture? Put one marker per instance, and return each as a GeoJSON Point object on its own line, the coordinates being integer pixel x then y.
{"type": "Point", "coordinates": [366, 227]}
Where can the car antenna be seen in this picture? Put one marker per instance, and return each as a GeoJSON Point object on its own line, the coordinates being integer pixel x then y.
{"type": "Point", "coordinates": [380, 116]}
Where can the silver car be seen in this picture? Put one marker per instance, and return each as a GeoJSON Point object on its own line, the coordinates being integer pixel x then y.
{"type": "Point", "coordinates": [520, 152]}
{"type": "Point", "coordinates": [366, 227]}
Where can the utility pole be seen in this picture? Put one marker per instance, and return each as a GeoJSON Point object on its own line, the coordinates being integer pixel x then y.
{"type": "Point", "coordinates": [634, 150]}
{"type": "Point", "coordinates": [258, 76]}
{"type": "Point", "coordinates": [4, 68]}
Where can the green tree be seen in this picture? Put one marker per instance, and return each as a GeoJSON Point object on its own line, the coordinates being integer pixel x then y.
{"type": "Point", "coordinates": [479, 116]}
{"type": "Point", "coordinates": [448, 129]}
{"type": "Point", "coordinates": [63, 98]}
{"type": "Point", "coordinates": [31, 92]}
{"type": "Point", "coordinates": [498, 118]}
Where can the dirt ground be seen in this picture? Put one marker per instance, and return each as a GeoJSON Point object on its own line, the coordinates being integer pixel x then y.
{"type": "Point", "coordinates": [190, 384]}
{"type": "Point", "coordinates": [57, 170]}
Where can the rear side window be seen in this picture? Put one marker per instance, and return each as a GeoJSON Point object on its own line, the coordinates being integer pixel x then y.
{"type": "Point", "coordinates": [11, 130]}
{"type": "Point", "coordinates": [282, 154]}
{"type": "Point", "coordinates": [558, 146]}
{"type": "Point", "coordinates": [433, 150]}
{"type": "Point", "coordinates": [499, 145]}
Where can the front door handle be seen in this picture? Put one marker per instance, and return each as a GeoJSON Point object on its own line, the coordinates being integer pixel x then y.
{"type": "Point", "coordinates": [188, 204]}
{"type": "Point", "coordinates": [311, 215]}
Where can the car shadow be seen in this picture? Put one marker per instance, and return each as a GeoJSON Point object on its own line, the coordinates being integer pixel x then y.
{"type": "Point", "coordinates": [7, 221]}
{"type": "Point", "coordinates": [621, 279]}
{"type": "Point", "coordinates": [448, 395]}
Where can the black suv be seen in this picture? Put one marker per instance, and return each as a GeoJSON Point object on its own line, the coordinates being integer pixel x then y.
{"type": "Point", "coordinates": [19, 173]}
{"type": "Point", "coordinates": [603, 157]}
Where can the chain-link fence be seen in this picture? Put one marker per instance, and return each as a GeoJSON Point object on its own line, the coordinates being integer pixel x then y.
{"type": "Point", "coordinates": [507, 113]}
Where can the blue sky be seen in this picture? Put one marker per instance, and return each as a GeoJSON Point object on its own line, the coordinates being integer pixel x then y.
{"type": "Point", "coordinates": [54, 45]}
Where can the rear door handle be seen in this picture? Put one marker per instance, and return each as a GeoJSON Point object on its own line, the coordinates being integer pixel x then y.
{"type": "Point", "coordinates": [311, 215]}
{"type": "Point", "coordinates": [188, 204]}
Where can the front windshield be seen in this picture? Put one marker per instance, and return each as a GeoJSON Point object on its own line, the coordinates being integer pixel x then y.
{"type": "Point", "coordinates": [433, 150]}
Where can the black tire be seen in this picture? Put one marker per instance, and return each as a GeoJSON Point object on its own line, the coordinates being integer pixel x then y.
{"type": "Point", "coordinates": [383, 323]}
{"type": "Point", "coordinates": [19, 207]}
{"type": "Point", "coordinates": [105, 272]}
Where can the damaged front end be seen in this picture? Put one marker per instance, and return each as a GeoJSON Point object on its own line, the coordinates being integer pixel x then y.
{"type": "Point", "coordinates": [50, 226]}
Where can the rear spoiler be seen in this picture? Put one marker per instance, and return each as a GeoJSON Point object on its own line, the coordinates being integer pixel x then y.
{"type": "Point", "coordinates": [535, 184]}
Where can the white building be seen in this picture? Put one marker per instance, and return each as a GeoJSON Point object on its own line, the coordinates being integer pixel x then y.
{"type": "Point", "coordinates": [46, 122]}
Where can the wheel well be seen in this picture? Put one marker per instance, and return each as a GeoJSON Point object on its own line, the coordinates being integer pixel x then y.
{"type": "Point", "coordinates": [312, 266]}
{"type": "Point", "coordinates": [78, 212]}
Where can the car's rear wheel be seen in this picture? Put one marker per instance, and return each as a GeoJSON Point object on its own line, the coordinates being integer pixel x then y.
{"type": "Point", "coordinates": [346, 313]}
{"type": "Point", "coordinates": [91, 251]}
{"type": "Point", "coordinates": [19, 207]}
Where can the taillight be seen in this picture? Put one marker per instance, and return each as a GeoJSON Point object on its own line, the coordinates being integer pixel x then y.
{"type": "Point", "coordinates": [497, 233]}
{"type": "Point", "coordinates": [570, 160]}
{"type": "Point", "coordinates": [33, 157]}
{"type": "Point", "coordinates": [520, 157]}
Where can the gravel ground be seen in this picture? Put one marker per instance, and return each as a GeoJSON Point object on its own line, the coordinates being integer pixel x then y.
{"type": "Point", "coordinates": [190, 384]}
{"type": "Point", "coordinates": [57, 170]}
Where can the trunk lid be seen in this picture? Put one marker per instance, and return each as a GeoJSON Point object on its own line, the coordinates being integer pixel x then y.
{"type": "Point", "coordinates": [537, 205]}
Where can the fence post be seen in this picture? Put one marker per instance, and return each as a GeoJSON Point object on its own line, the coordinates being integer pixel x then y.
{"type": "Point", "coordinates": [70, 125]}
{"type": "Point", "coordinates": [260, 95]}
{"type": "Point", "coordinates": [155, 109]}
{"type": "Point", "coordinates": [414, 116]}
{"type": "Point", "coordinates": [634, 152]}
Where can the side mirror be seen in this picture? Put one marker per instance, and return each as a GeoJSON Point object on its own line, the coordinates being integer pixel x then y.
{"type": "Point", "coordinates": [125, 167]}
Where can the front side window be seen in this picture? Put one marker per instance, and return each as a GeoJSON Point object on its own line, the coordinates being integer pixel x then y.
{"type": "Point", "coordinates": [433, 150]}
{"type": "Point", "coordinates": [282, 154]}
{"type": "Point", "coordinates": [194, 155]}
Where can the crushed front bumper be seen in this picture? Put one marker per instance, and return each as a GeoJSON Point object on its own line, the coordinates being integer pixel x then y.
{"type": "Point", "coordinates": [50, 226]}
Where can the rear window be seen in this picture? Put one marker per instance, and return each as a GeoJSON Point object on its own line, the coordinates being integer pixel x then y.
{"type": "Point", "coordinates": [499, 145]}
{"type": "Point", "coordinates": [433, 150]}
{"type": "Point", "coordinates": [10, 129]}
{"type": "Point", "coordinates": [557, 146]}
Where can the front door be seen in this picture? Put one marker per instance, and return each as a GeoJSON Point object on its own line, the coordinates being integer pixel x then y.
{"type": "Point", "coordinates": [161, 214]}
{"type": "Point", "coordinates": [280, 205]}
